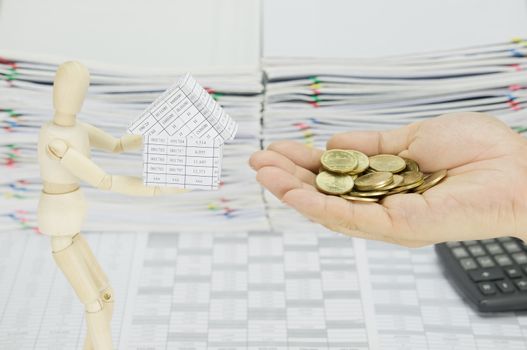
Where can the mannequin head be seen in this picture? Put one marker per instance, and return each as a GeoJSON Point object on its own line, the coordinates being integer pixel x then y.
{"type": "Point", "coordinates": [69, 89]}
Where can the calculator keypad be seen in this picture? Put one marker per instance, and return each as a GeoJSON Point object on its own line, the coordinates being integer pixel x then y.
{"type": "Point", "coordinates": [494, 248]}
{"type": "Point", "coordinates": [505, 287]}
{"type": "Point", "coordinates": [487, 288]}
{"type": "Point", "coordinates": [513, 272]}
{"type": "Point", "coordinates": [468, 264]}
{"type": "Point", "coordinates": [476, 250]}
{"type": "Point", "coordinates": [460, 252]}
{"type": "Point", "coordinates": [486, 274]}
{"type": "Point", "coordinates": [503, 260]}
{"type": "Point", "coordinates": [512, 247]}
{"type": "Point", "coordinates": [521, 284]}
{"type": "Point", "coordinates": [497, 266]}
{"type": "Point", "coordinates": [520, 258]}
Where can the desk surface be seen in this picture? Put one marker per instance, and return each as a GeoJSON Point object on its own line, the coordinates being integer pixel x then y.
{"type": "Point", "coordinates": [251, 290]}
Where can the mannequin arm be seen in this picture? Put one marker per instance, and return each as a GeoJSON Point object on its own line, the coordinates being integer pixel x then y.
{"type": "Point", "coordinates": [102, 140]}
{"type": "Point", "coordinates": [132, 185]}
{"type": "Point", "coordinates": [85, 169]}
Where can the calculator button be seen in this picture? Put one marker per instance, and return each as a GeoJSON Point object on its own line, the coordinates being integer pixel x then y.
{"type": "Point", "coordinates": [476, 250]}
{"type": "Point", "coordinates": [485, 261]}
{"type": "Point", "coordinates": [453, 244]}
{"type": "Point", "coordinates": [513, 272]}
{"type": "Point", "coordinates": [486, 274]}
{"type": "Point", "coordinates": [494, 248]}
{"type": "Point", "coordinates": [460, 252]}
{"type": "Point", "coordinates": [504, 239]}
{"type": "Point", "coordinates": [521, 284]}
{"type": "Point", "coordinates": [505, 286]}
{"type": "Point", "coordinates": [468, 264]}
{"type": "Point", "coordinates": [520, 258]}
{"type": "Point", "coordinates": [503, 260]}
{"type": "Point", "coordinates": [487, 288]}
{"type": "Point", "coordinates": [468, 243]}
{"type": "Point", "coordinates": [486, 241]}
{"type": "Point", "coordinates": [512, 247]}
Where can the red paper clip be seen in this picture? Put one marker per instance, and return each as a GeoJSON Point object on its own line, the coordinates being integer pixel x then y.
{"type": "Point", "coordinates": [7, 62]}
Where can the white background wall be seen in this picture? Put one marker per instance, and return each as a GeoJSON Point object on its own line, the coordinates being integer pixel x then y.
{"type": "Point", "coordinates": [343, 28]}
{"type": "Point", "coordinates": [208, 34]}
{"type": "Point", "coordinates": [190, 34]}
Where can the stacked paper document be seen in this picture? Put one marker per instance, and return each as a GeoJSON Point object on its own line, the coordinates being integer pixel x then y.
{"type": "Point", "coordinates": [306, 99]}
{"type": "Point", "coordinates": [310, 99]}
{"type": "Point", "coordinates": [116, 97]}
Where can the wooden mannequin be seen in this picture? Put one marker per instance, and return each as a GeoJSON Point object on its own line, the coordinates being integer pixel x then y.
{"type": "Point", "coordinates": [64, 157]}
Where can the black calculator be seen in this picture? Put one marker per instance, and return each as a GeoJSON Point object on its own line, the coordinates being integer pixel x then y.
{"type": "Point", "coordinates": [491, 274]}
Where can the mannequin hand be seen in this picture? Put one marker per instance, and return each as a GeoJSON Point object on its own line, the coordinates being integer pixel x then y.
{"type": "Point", "coordinates": [134, 186]}
{"type": "Point", "coordinates": [131, 142]}
{"type": "Point", "coordinates": [483, 196]}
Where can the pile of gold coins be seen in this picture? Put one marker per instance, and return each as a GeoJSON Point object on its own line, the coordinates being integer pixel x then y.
{"type": "Point", "coordinates": [354, 176]}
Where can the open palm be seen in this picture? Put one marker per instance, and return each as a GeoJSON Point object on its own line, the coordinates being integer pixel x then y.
{"type": "Point", "coordinates": [483, 196]}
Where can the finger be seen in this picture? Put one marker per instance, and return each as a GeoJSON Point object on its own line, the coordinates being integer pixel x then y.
{"type": "Point", "coordinates": [375, 142]}
{"type": "Point", "coordinates": [262, 159]}
{"type": "Point", "coordinates": [303, 156]}
{"type": "Point", "coordinates": [279, 181]}
{"type": "Point", "coordinates": [369, 218]}
{"type": "Point", "coordinates": [365, 220]}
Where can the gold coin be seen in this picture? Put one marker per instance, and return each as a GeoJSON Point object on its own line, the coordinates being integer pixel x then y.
{"type": "Point", "coordinates": [373, 181]}
{"type": "Point", "coordinates": [414, 185]}
{"type": "Point", "coordinates": [411, 165]}
{"type": "Point", "coordinates": [431, 180]}
{"type": "Point", "coordinates": [387, 162]}
{"type": "Point", "coordinates": [367, 194]}
{"type": "Point", "coordinates": [403, 189]}
{"type": "Point", "coordinates": [333, 183]}
{"type": "Point", "coordinates": [360, 199]}
{"type": "Point", "coordinates": [397, 181]}
{"type": "Point", "coordinates": [411, 177]}
{"type": "Point", "coordinates": [363, 162]}
{"type": "Point", "coordinates": [339, 161]}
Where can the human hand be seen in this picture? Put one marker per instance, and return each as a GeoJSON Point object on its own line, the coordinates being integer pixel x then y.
{"type": "Point", "coordinates": [483, 196]}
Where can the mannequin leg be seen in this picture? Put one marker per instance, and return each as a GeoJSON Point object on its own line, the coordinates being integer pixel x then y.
{"type": "Point", "coordinates": [76, 270]}
{"type": "Point", "coordinates": [100, 278]}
